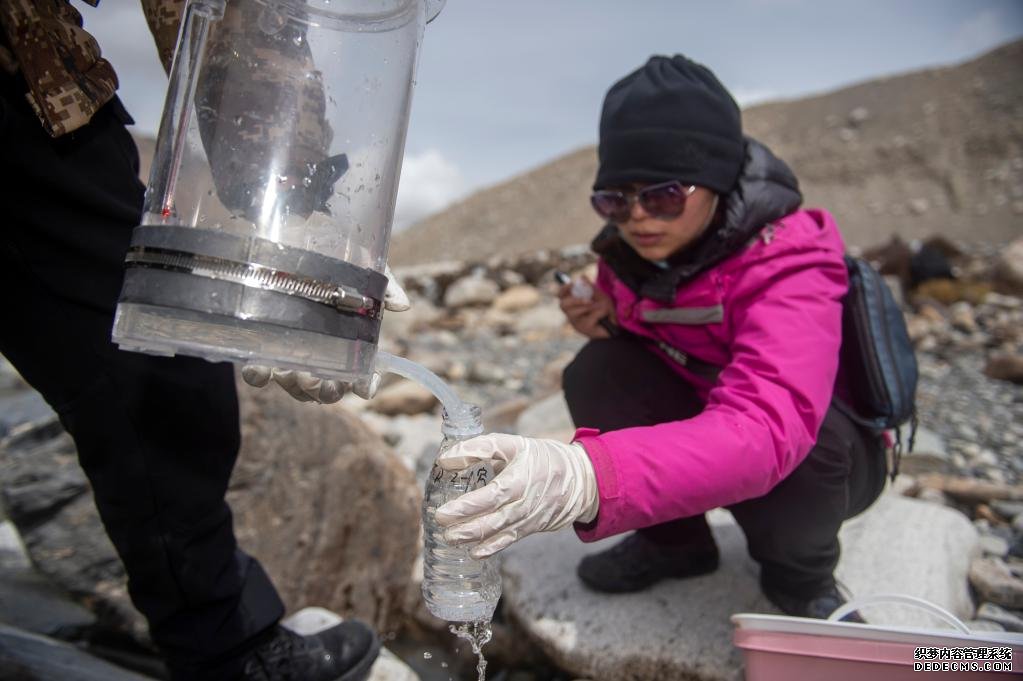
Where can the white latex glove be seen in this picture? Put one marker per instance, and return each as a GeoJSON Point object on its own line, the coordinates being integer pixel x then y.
{"type": "Point", "coordinates": [395, 298]}
{"type": "Point", "coordinates": [539, 486]}
{"type": "Point", "coordinates": [305, 387]}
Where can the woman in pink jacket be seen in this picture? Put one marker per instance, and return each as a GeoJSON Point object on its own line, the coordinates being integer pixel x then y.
{"type": "Point", "coordinates": [716, 324]}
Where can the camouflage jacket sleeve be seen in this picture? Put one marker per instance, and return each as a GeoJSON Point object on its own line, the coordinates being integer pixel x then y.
{"type": "Point", "coordinates": [164, 18]}
{"type": "Point", "coordinates": [67, 78]}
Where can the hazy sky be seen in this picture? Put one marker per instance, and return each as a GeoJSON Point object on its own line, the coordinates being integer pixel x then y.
{"type": "Point", "coordinates": [505, 86]}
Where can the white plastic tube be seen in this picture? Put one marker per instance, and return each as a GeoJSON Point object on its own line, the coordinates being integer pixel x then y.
{"type": "Point", "coordinates": [459, 416]}
{"type": "Point", "coordinates": [901, 599]}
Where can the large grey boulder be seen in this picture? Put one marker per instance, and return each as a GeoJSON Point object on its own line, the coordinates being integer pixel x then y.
{"type": "Point", "coordinates": [907, 546]}
{"type": "Point", "coordinates": [29, 600]}
{"type": "Point", "coordinates": [49, 502]}
{"type": "Point", "coordinates": [324, 504]}
{"type": "Point", "coordinates": [680, 629]}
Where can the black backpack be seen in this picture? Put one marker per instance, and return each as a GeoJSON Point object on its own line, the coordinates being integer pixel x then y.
{"type": "Point", "coordinates": [877, 357]}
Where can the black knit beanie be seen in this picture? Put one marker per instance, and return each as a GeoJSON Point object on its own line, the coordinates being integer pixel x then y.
{"type": "Point", "coordinates": [671, 119]}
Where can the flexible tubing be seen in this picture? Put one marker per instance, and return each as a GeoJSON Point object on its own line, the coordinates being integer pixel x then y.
{"type": "Point", "coordinates": [456, 411]}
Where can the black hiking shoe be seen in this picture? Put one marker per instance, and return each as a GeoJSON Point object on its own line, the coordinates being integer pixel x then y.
{"type": "Point", "coordinates": [636, 563]}
{"type": "Point", "coordinates": [818, 605]}
{"type": "Point", "coordinates": [344, 652]}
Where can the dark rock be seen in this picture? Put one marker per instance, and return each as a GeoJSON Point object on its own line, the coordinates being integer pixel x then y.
{"type": "Point", "coordinates": [31, 602]}
{"type": "Point", "coordinates": [994, 581]}
{"type": "Point", "coordinates": [1009, 269]}
{"type": "Point", "coordinates": [20, 408]}
{"type": "Point", "coordinates": [945, 246]}
{"type": "Point", "coordinates": [929, 263]}
{"type": "Point", "coordinates": [1007, 509]}
{"type": "Point", "coordinates": [894, 259]}
{"type": "Point", "coordinates": [1009, 620]}
{"type": "Point", "coordinates": [50, 503]}
{"type": "Point", "coordinates": [31, 657]}
{"type": "Point", "coordinates": [1016, 550]}
{"type": "Point", "coordinates": [33, 498]}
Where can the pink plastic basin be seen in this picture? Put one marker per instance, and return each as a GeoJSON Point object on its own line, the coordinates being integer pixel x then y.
{"type": "Point", "coordinates": [778, 648]}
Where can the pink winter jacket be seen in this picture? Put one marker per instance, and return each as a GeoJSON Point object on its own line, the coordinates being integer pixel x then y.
{"type": "Point", "coordinates": [771, 316]}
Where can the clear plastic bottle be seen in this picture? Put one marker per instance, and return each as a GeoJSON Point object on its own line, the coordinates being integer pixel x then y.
{"type": "Point", "coordinates": [457, 587]}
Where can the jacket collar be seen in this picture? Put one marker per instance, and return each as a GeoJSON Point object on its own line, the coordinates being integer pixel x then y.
{"type": "Point", "coordinates": [766, 191]}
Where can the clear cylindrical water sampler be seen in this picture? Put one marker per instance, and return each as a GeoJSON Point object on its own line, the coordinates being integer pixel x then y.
{"type": "Point", "coordinates": [269, 207]}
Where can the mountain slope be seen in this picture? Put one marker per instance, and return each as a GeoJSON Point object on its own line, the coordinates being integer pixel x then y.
{"type": "Point", "coordinates": [933, 151]}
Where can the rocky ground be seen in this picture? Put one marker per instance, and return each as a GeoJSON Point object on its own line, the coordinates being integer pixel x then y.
{"type": "Point", "coordinates": [967, 329]}
{"type": "Point", "coordinates": [494, 331]}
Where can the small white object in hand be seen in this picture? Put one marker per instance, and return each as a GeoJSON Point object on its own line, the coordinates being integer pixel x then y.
{"type": "Point", "coordinates": [581, 289]}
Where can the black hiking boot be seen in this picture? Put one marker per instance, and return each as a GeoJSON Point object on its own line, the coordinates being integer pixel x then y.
{"type": "Point", "coordinates": [817, 605]}
{"type": "Point", "coordinates": [636, 563]}
{"type": "Point", "coordinates": [344, 652]}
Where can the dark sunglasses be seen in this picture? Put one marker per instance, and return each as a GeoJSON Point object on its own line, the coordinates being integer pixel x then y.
{"type": "Point", "coordinates": [664, 201]}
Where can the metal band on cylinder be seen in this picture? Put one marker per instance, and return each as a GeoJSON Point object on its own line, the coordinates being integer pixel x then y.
{"type": "Point", "coordinates": [252, 279]}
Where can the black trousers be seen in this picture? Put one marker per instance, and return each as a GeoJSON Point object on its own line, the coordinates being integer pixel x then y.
{"type": "Point", "coordinates": [157, 437]}
{"type": "Point", "coordinates": [792, 531]}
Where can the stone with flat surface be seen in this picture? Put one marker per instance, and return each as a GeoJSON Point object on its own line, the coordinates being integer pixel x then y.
{"type": "Point", "coordinates": [680, 629]}
{"type": "Point", "coordinates": [912, 547]}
